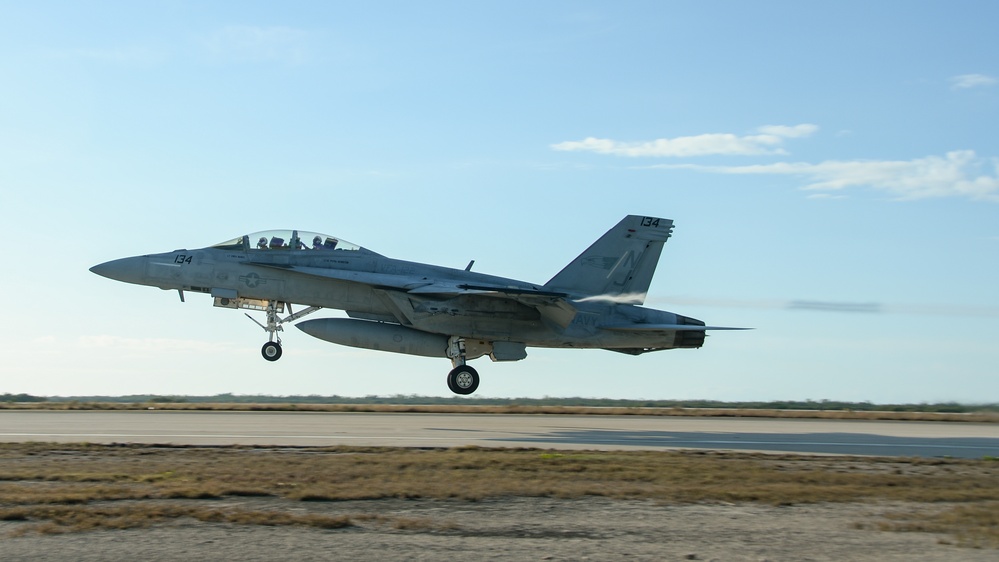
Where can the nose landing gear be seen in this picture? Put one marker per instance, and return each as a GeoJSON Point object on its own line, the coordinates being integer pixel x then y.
{"type": "Point", "coordinates": [271, 350]}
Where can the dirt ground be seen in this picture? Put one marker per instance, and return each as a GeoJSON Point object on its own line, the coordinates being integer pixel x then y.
{"type": "Point", "coordinates": [513, 529]}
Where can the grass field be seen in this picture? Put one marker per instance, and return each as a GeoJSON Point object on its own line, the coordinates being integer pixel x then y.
{"type": "Point", "coordinates": [56, 488]}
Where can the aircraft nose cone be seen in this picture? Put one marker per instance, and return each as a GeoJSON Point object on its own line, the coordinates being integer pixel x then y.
{"type": "Point", "coordinates": [128, 270]}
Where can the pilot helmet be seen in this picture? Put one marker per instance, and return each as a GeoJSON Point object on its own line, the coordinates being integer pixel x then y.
{"type": "Point", "coordinates": [317, 241]}
{"type": "Point", "coordinates": [262, 241]}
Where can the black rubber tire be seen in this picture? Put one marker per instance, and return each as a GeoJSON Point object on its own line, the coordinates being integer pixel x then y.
{"type": "Point", "coordinates": [271, 351]}
{"type": "Point", "coordinates": [463, 380]}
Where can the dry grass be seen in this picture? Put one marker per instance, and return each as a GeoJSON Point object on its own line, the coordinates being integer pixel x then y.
{"type": "Point", "coordinates": [976, 417]}
{"type": "Point", "coordinates": [58, 488]}
{"type": "Point", "coordinates": [975, 525]}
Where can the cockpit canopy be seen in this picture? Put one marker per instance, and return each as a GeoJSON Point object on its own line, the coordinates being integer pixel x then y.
{"type": "Point", "coordinates": [288, 240]}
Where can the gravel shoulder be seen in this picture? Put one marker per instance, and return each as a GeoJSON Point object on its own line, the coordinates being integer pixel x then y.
{"type": "Point", "coordinates": [514, 529]}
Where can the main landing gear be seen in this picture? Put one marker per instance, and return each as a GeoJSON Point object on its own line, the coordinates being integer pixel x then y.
{"type": "Point", "coordinates": [272, 349]}
{"type": "Point", "coordinates": [462, 379]}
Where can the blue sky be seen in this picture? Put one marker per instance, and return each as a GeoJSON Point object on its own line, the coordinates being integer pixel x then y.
{"type": "Point", "coordinates": [840, 153]}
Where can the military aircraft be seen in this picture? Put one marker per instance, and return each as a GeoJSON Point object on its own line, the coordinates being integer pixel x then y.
{"type": "Point", "coordinates": [428, 310]}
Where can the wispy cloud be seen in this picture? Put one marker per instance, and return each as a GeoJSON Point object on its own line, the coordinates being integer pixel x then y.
{"type": "Point", "coordinates": [957, 174]}
{"type": "Point", "coordinates": [768, 141]}
{"type": "Point", "coordinates": [247, 43]}
{"type": "Point", "coordinates": [960, 173]}
{"type": "Point", "coordinates": [965, 81]}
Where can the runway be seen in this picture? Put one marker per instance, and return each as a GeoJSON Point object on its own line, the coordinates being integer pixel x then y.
{"type": "Point", "coordinates": [849, 437]}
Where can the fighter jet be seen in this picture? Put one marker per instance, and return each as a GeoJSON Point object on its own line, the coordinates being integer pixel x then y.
{"type": "Point", "coordinates": [433, 311]}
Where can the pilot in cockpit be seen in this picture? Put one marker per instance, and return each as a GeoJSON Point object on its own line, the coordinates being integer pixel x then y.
{"type": "Point", "coordinates": [262, 243]}
{"type": "Point", "coordinates": [317, 243]}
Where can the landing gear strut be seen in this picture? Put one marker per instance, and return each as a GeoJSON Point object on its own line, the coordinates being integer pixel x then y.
{"type": "Point", "coordinates": [272, 349]}
{"type": "Point", "coordinates": [462, 379]}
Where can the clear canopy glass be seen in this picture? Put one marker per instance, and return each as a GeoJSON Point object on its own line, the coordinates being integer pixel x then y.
{"type": "Point", "coordinates": [287, 240]}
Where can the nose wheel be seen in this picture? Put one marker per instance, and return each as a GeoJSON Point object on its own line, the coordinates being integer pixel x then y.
{"type": "Point", "coordinates": [271, 350]}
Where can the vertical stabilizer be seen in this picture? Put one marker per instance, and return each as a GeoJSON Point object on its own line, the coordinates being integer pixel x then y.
{"type": "Point", "coordinates": [620, 264]}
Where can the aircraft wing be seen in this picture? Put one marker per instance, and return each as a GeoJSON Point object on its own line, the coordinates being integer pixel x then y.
{"type": "Point", "coordinates": [552, 305]}
{"type": "Point", "coordinates": [467, 288]}
{"type": "Point", "coordinates": [383, 280]}
{"type": "Point", "coordinates": [664, 328]}
{"type": "Point", "coordinates": [416, 285]}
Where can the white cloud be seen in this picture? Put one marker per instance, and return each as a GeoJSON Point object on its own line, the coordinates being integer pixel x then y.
{"type": "Point", "coordinates": [957, 174]}
{"type": "Point", "coordinates": [246, 43]}
{"type": "Point", "coordinates": [965, 81]}
{"type": "Point", "coordinates": [768, 141]}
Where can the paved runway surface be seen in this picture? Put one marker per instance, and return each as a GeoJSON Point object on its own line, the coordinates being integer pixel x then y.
{"type": "Point", "coordinates": [925, 439]}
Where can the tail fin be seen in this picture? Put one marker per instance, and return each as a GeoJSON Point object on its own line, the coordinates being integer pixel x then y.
{"type": "Point", "coordinates": [619, 266]}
